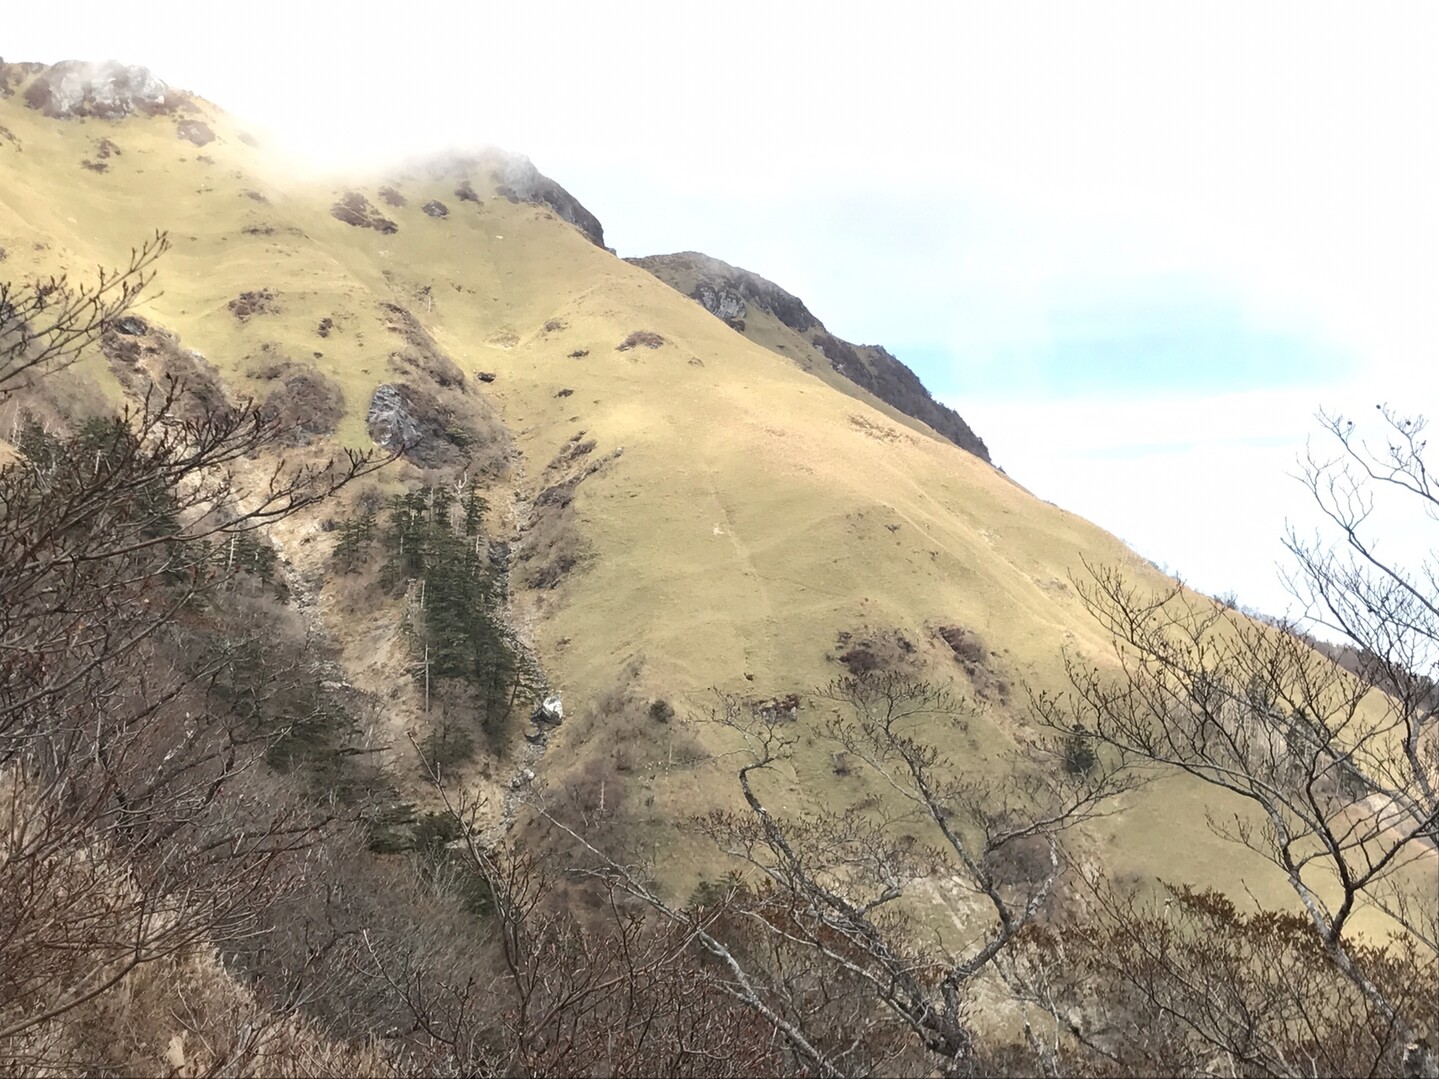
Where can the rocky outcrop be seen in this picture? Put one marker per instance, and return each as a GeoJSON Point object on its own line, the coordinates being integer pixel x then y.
{"type": "Point", "coordinates": [390, 421]}
{"type": "Point", "coordinates": [874, 368]}
{"type": "Point", "coordinates": [108, 90]}
{"type": "Point", "coordinates": [148, 359]}
{"type": "Point", "coordinates": [728, 293]}
{"type": "Point", "coordinates": [510, 176]}
{"type": "Point", "coordinates": [409, 418]}
{"type": "Point", "coordinates": [354, 209]}
{"type": "Point", "coordinates": [725, 290]}
{"type": "Point", "coordinates": [721, 301]}
{"type": "Point", "coordinates": [520, 181]}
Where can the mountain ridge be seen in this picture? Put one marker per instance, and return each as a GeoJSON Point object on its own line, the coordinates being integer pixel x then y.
{"type": "Point", "coordinates": [732, 294]}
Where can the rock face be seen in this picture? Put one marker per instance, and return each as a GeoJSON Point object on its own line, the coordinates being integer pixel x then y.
{"type": "Point", "coordinates": [108, 90]}
{"type": "Point", "coordinates": [874, 368]}
{"type": "Point", "coordinates": [390, 422]}
{"type": "Point", "coordinates": [728, 293]}
{"type": "Point", "coordinates": [722, 302]}
{"type": "Point", "coordinates": [520, 181]}
{"type": "Point", "coordinates": [725, 290]}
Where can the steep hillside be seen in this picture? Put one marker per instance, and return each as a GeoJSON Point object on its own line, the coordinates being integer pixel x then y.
{"type": "Point", "coordinates": [682, 507]}
{"type": "Point", "coordinates": [767, 314]}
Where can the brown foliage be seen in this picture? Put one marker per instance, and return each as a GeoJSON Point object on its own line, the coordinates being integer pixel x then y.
{"type": "Point", "coordinates": [1187, 983]}
{"type": "Point", "coordinates": [253, 302]}
{"type": "Point", "coordinates": [305, 405]}
{"type": "Point", "coordinates": [640, 339]}
{"type": "Point", "coordinates": [354, 209]}
{"type": "Point", "coordinates": [195, 131]}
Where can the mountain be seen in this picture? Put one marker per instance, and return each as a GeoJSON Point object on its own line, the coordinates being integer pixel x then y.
{"type": "Point", "coordinates": [770, 316]}
{"type": "Point", "coordinates": [686, 508]}
{"type": "Point", "coordinates": [694, 497]}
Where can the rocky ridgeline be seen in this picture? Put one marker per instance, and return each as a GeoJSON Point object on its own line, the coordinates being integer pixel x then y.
{"type": "Point", "coordinates": [520, 181]}
{"type": "Point", "coordinates": [107, 89]}
{"type": "Point", "coordinates": [728, 293]}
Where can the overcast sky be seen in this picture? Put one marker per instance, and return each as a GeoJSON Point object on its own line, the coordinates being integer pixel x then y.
{"type": "Point", "coordinates": [1135, 245]}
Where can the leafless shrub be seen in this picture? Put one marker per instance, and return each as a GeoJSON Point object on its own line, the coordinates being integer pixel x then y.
{"type": "Point", "coordinates": [354, 209]}
{"type": "Point", "coordinates": [45, 324]}
{"type": "Point", "coordinates": [1338, 774]}
{"type": "Point", "coordinates": [640, 339]}
{"type": "Point", "coordinates": [253, 302]}
{"type": "Point", "coordinates": [825, 951]}
{"type": "Point", "coordinates": [305, 404]}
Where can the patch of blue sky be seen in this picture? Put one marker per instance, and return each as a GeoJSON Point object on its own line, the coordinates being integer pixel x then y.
{"type": "Point", "coordinates": [1147, 343]}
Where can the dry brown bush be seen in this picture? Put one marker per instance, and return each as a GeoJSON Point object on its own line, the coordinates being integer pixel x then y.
{"type": "Point", "coordinates": [305, 405]}
{"type": "Point", "coordinates": [254, 302]}
{"type": "Point", "coordinates": [354, 209]}
{"type": "Point", "coordinates": [640, 339]}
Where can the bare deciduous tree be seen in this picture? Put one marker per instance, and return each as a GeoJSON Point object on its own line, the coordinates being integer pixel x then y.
{"type": "Point", "coordinates": [1334, 776]}
{"type": "Point", "coordinates": [46, 324]}
{"type": "Point", "coordinates": [605, 989]}
{"type": "Point", "coordinates": [136, 826]}
{"type": "Point", "coordinates": [826, 946]}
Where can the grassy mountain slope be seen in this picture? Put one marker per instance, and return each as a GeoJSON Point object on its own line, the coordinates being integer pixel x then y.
{"type": "Point", "coordinates": [744, 516]}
